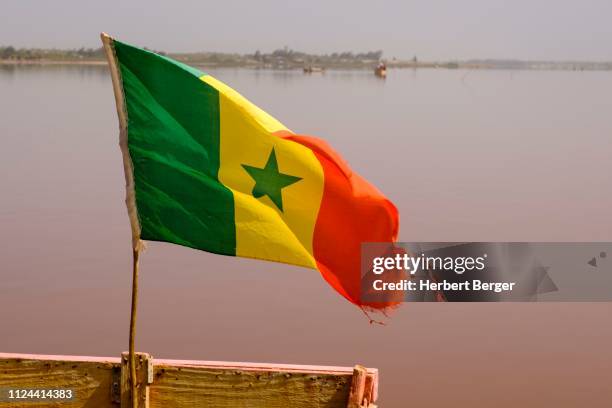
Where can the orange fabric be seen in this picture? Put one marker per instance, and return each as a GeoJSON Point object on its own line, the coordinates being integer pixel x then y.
{"type": "Point", "coordinates": [352, 212]}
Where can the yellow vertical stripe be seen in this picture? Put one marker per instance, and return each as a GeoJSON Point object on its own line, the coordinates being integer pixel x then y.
{"type": "Point", "coordinates": [262, 230]}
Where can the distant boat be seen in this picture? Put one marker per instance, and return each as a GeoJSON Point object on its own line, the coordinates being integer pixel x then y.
{"type": "Point", "coordinates": [381, 70]}
{"type": "Point", "coordinates": [310, 69]}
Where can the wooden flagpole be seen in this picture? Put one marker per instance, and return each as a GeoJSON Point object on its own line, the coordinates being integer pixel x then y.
{"type": "Point", "coordinates": [132, 356]}
{"type": "Point", "coordinates": [130, 200]}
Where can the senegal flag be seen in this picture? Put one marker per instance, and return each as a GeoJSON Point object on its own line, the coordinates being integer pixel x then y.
{"type": "Point", "coordinates": [207, 169]}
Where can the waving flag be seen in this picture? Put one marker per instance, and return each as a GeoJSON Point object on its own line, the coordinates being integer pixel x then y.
{"type": "Point", "coordinates": [207, 169]}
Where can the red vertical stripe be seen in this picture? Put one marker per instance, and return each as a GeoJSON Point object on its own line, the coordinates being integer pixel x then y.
{"type": "Point", "coordinates": [352, 211]}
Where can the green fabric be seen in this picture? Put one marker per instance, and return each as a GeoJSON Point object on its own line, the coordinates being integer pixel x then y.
{"type": "Point", "coordinates": [173, 140]}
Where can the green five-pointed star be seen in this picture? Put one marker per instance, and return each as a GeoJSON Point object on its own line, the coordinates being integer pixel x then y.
{"type": "Point", "coordinates": [269, 181]}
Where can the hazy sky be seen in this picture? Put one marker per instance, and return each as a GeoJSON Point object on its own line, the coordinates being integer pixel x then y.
{"type": "Point", "coordinates": [431, 29]}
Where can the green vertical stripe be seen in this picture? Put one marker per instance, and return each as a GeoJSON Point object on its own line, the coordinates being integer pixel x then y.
{"type": "Point", "coordinates": [173, 140]}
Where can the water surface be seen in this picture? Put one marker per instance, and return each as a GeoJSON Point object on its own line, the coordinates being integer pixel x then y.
{"type": "Point", "coordinates": [465, 155]}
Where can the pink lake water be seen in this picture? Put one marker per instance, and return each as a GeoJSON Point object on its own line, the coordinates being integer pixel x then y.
{"type": "Point", "coordinates": [466, 156]}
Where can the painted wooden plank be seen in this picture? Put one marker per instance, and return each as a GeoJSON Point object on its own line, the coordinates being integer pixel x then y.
{"type": "Point", "coordinates": [188, 383]}
{"type": "Point", "coordinates": [263, 366]}
{"type": "Point", "coordinates": [54, 357]}
{"type": "Point", "coordinates": [89, 380]}
{"type": "Point", "coordinates": [204, 386]}
{"type": "Point", "coordinates": [371, 387]}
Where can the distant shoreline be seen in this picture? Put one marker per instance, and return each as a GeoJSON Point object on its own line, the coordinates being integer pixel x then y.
{"type": "Point", "coordinates": [353, 65]}
{"type": "Point", "coordinates": [289, 59]}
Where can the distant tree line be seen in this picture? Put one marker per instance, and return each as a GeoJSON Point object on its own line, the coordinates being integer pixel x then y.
{"type": "Point", "coordinates": [348, 55]}
{"type": "Point", "coordinates": [283, 58]}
